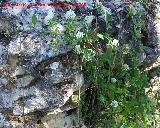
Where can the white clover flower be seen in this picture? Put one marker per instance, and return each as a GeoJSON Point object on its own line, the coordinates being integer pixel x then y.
{"type": "Point", "coordinates": [70, 14]}
{"type": "Point", "coordinates": [114, 104]}
{"type": "Point", "coordinates": [60, 27]}
{"type": "Point", "coordinates": [127, 84]}
{"type": "Point", "coordinates": [126, 67]}
{"type": "Point", "coordinates": [113, 80]}
{"type": "Point", "coordinates": [115, 42]}
{"type": "Point", "coordinates": [57, 27]}
{"type": "Point", "coordinates": [79, 35]}
{"type": "Point", "coordinates": [155, 88]}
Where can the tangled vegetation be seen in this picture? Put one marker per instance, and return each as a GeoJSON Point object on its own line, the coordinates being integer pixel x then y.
{"type": "Point", "coordinates": [117, 94]}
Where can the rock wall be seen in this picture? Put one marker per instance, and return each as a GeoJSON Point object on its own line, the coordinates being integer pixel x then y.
{"type": "Point", "coordinates": [36, 79]}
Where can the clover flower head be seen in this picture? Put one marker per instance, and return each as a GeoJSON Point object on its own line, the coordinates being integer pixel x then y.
{"type": "Point", "coordinates": [114, 104]}
{"type": "Point", "coordinates": [126, 67]}
{"type": "Point", "coordinates": [58, 27]}
{"type": "Point", "coordinates": [127, 84]}
{"type": "Point", "coordinates": [115, 42]}
{"type": "Point", "coordinates": [70, 14]}
{"type": "Point", "coordinates": [79, 35]}
{"type": "Point", "coordinates": [113, 80]}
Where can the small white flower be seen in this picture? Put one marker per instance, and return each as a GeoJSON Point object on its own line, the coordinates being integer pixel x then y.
{"type": "Point", "coordinates": [70, 14]}
{"type": "Point", "coordinates": [57, 27]}
{"type": "Point", "coordinates": [126, 67]}
{"type": "Point", "coordinates": [115, 42]}
{"type": "Point", "coordinates": [60, 27]}
{"type": "Point", "coordinates": [114, 104]}
{"type": "Point", "coordinates": [127, 84]}
{"type": "Point", "coordinates": [79, 35]}
{"type": "Point", "coordinates": [77, 46]}
{"type": "Point", "coordinates": [113, 80]}
{"type": "Point", "coordinates": [155, 88]}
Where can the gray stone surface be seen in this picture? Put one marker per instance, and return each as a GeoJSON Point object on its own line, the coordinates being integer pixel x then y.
{"type": "Point", "coordinates": [36, 77]}
{"type": "Point", "coordinates": [3, 54]}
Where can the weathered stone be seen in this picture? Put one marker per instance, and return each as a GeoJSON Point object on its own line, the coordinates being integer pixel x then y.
{"type": "Point", "coordinates": [37, 77]}
{"type": "Point", "coordinates": [3, 54]}
{"type": "Point", "coordinates": [7, 23]}
{"type": "Point", "coordinates": [153, 25]}
{"type": "Point", "coordinates": [62, 120]}
{"type": "Point", "coordinates": [152, 55]}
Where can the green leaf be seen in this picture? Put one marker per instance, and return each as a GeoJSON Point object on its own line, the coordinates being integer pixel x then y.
{"type": "Point", "coordinates": [88, 54]}
{"type": "Point", "coordinates": [100, 36]}
{"type": "Point", "coordinates": [34, 19]}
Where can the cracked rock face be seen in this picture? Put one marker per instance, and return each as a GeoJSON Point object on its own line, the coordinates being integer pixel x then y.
{"type": "Point", "coordinates": [3, 54]}
{"type": "Point", "coordinates": [36, 78]}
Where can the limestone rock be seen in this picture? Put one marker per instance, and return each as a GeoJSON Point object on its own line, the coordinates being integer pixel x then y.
{"type": "Point", "coordinates": [3, 54]}
{"type": "Point", "coordinates": [37, 77]}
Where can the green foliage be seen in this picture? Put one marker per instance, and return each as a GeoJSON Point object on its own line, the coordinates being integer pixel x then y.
{"type": "Point", "coordinates": [7, 34]}
{"type": "Point", "coordinates": [34, 19]}
{"type": "Point", "coordinates": [143, 1]}
{"type": "Point", "coordinates": [117, 98]}
{"type": "Point", "coordinates": [131, 11]}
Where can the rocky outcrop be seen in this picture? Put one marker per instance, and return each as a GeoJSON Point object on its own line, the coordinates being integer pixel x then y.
{"type": "Point", "coordinates": [37, 80]}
